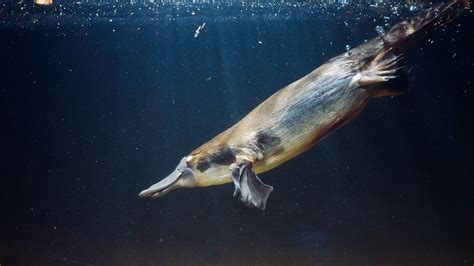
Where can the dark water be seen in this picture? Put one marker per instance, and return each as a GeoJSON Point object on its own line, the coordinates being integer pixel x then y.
{"type": "Point", "coordinates": [93, 113]}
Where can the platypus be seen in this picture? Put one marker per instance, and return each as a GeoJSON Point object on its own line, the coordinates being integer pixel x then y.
{"type": "Point", "coordinates": [301, 114]}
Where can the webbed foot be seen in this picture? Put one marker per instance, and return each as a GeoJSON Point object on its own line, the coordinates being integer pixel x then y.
{"type": "Point", "coordinates": [248, 187]}
{"type": "Point", "coordinates": [383, 68]}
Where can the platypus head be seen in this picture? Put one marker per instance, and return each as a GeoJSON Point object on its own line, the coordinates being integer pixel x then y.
{"type": "Point", "coordinates": [192, 171]}
{"type": "Point", "coordinates": [182, 176]}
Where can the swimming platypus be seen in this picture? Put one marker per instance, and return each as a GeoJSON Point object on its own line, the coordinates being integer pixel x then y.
{"type": "Point", "coordinates": [300, 115]}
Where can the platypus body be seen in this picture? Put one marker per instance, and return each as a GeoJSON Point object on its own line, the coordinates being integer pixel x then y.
{"type": "Point", "coordinates": [300, 115]}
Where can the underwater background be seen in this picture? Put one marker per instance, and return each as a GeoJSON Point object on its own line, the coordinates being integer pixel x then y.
{"type": "Point", "coordinates": [99, 100]}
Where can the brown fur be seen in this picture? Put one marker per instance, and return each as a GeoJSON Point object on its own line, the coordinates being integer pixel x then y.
{"type": "Point", "coordinates": [241, 136]}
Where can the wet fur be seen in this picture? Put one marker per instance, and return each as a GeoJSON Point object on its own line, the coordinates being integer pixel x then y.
{"type": "Point", "coordinates": [298, 116]}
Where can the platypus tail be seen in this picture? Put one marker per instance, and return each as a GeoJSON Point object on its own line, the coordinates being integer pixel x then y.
{"type": "Point", "coordinates": [442, 14]}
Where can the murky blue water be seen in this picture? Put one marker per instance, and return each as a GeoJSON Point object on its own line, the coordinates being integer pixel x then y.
{"type": "Point", "coordinates": [100, 100]}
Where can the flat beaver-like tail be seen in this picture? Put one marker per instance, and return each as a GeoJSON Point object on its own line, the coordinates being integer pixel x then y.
{"type": "Point", "coordinates": [405, 29]}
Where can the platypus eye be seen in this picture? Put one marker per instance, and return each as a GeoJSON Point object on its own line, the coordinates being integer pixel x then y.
{"type": "Point", "coordinates": [203, 165]}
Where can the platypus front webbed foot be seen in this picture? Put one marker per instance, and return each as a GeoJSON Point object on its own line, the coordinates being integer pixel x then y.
{"type": "Point", "coordinates": [248, 187]}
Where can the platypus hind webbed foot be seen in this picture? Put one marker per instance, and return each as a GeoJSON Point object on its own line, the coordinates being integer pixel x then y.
{"type": "Point", "coordinates": [248, 187]}
{"type": "Point", "coordinates": [383, 68]}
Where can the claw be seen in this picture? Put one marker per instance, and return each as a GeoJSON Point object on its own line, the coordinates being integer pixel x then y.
{"type": "Point", "coordinates": [382, 69]}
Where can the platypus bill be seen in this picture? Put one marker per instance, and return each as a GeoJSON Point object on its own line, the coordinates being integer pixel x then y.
{"type": "Point", "coordinates": [298, 116]}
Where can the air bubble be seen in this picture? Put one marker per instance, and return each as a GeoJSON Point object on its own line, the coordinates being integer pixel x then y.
{"type": "Point", "coordinates": [380, 31]}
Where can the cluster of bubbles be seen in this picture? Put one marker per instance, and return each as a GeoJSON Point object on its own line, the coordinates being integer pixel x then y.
{"type": "Point", "coordinates": [83, 12]}
{"type": "Point", "coordinates": [380, 30]}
